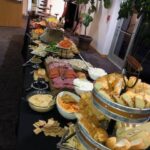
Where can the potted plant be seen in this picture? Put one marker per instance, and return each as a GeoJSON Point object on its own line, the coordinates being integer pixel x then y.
{"type": "Point", "coordinates": [85, 40]}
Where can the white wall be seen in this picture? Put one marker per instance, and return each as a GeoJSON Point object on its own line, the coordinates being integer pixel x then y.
{"type": "Point", "coordinates": [102, 30]}
{"type": "Point", "coordinates": [29, 5]}
{"type": "Point", "coordinates": [57, 7]}
{"type": "Point", "coordinates": [24, 7]}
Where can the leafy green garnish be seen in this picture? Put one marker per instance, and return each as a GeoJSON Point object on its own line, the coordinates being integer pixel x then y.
{"type": "Point", "coordinates": [52, 47]}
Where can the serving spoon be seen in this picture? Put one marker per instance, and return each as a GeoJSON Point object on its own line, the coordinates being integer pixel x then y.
{"type": "Point", "coordinates": [83, 61]}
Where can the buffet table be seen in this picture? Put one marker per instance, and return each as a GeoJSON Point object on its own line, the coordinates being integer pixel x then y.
{"type": "Point", "coordinates": [28, 140]}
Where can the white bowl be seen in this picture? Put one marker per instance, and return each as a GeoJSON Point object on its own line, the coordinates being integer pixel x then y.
{"type": "Point", "coordinates": [40, 108]}
{"type": "Point", "coordinates": [95, 73]}
{"type": "Point", "coordinates": [81, 86]}
{"type": "Point", "coordinates": [66, 114]}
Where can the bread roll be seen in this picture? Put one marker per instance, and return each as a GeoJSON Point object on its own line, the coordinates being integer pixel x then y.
{"type": "Point", "coordinates": [111, 142]}
{"type": "Point", "coordinates": [122, 144]}
{"type": "Point", "coordinates": [137, 144]}
{"type": "Point", "coordinates": [145, 136]}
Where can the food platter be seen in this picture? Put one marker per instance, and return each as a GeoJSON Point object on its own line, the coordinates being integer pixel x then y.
{"type": "Point", "coordinates": [120, 112]}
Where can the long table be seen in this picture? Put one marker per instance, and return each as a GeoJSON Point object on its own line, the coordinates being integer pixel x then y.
{"type": "Point", "coordinates": [27, 140]}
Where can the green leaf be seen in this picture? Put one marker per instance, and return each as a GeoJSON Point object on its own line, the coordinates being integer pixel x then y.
{"type": "Point", "coordinates": [91, 9]}
{"type": "Point", "coordinates": [87, 19]}
{"type": "Point", "coordinates": [141, 7]}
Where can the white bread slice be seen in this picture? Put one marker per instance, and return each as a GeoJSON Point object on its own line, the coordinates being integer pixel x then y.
{"type": "Point", "coordinates": [128, 98]}
{"type": "Point", "coordinates": [139, 101]}
{"type": "Point", "coordinates": [111, 142]}
{"type": "Point", "coordinates": [119, 100]}
{"type": "Point", "coordinates": [112, 77]}
{"type": "Point", "coordinates": [132, 80]}
{"type": "Point", "coordinates": [105, 95]}
{"type": "Point", "coordinates": [101, 85]}
{"type": "Point", "coordinates": [147, 88]}
{"type": "Point", "coordinates": [122, 144]}
{"type": "Point", "coordinates": [137, 144]}
{"type": "Point", "coordinates": [118, 86]}
{"type": "Point", "coordinates": [147, 99]}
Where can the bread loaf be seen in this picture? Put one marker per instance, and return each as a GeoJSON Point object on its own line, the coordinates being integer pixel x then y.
{"type": "Point", "coordinates": [122, 144]}
{"type": "Point", "coordinates": [111, 142]}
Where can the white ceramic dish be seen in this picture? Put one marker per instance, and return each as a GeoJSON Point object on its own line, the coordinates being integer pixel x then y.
{"type": "Point", "coordinates": [95, 73]}
{"type": "Point", "coordinates": [82, 86]}
{"type": "Point", "coordinates": [39, 108]}
{"type": "Point", "coordinates": [66, 114]}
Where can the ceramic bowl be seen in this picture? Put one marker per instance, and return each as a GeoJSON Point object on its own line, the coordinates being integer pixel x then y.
{"type": "Point", "coordinates": [40, 108]}
{"type": "Point", "coordinates": [65, 113]}
{"type": "Point", "coordinates": [95, 73]}
{"type": "Point", "coordinates": [82, 86]}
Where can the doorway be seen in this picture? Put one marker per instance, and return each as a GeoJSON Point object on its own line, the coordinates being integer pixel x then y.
{"type": "Point", "coordinates": [123, 40]}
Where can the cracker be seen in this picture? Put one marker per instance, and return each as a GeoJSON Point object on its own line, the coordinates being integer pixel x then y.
{"type": "Point", "coordinates": [51, 128]}
{"type": "Point", "coordinates": [37, 131]}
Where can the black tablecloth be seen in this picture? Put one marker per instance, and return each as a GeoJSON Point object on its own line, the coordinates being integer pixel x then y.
{"type": "Point", "coordinates": [27, 140]}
